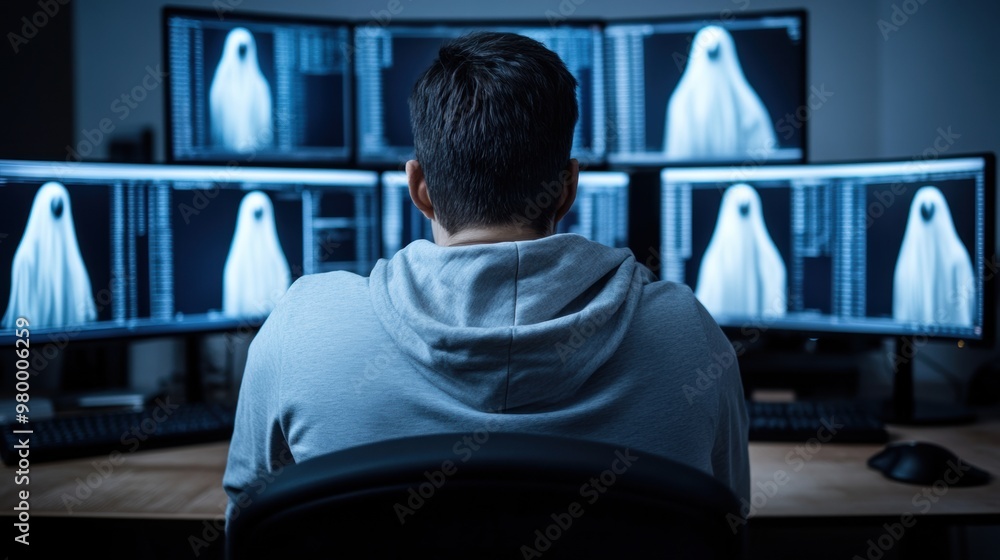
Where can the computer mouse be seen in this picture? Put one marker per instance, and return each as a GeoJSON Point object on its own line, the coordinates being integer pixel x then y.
{"type": "Point", "coordinates": [924, 463]}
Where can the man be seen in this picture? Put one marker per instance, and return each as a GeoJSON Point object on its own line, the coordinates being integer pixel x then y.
{"type": "Point", "coordinates": [499, 325]}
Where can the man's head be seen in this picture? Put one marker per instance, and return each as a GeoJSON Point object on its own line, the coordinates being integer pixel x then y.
{"type": "Point", "coordinates": [493, 121]}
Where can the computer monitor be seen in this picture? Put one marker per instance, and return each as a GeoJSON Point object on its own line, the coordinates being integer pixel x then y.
{"type": "Point", "coordinates": [600, 212]}
{"type": "Point", "coordinates": [257, 89]}
{"type": "Point", "coordinates": [389, 59]}
{"type": "Point", "coordinates": [900, 248]}
{"type": "Point", "coordinates": [109, 250]}
{"type": "Point", "coordinates": [708, 89]}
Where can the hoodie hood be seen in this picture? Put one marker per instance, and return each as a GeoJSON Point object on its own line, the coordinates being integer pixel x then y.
{"type": "Point", "coordinates": [508, 327]}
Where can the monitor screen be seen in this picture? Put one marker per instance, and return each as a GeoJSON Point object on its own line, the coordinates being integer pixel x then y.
{"type": "Point", "coordinates": [891, 248]}
{"type": "Point", "coordinates": [104, 250]}
{"type": "Point", "coordinates": [707, 90]}
{"type": "Point", "coordinates": [257, 89]}
{"type": "Point", "coordinates": [388, 61]}
{"type": "Point", "coordinates": [600, 212]}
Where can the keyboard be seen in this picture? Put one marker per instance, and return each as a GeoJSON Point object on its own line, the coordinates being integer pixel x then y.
{"type": "Point", "coordinates": [826, 421]}
{"type": "Point", "coordinates": [162, 424]}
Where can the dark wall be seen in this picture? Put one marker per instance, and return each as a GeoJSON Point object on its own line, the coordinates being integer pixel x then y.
{"type": "Point", "coordinates": [36, 62]}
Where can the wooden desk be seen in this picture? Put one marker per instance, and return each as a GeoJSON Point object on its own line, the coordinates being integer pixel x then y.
{"type": "Point", "coordinates": [825, 480]}
{"type": "Point", "coordinates": [833, 480]}
{"type": "Point", "coordinates": [172, 483]}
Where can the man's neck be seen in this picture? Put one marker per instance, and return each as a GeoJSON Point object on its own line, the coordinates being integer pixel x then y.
{"type": "Point", "coordinates": [479, 236]}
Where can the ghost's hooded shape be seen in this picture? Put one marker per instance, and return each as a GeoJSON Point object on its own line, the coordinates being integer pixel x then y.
{"type": "Point", "coordinates": [714, 114]}
{"type": "Point", "coordinates": [256, 273]}
{"type": "Point", "coordinates": [240, 98]}
{"type": "Point", "coordinates": [49, 284]}
{"type": "Point", "coordinates": [933, 282]}
{"type": "Point", "coordinates": [742, 272]}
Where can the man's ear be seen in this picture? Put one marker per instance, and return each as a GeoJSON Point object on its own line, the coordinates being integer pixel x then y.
{"type": "Point", "coordinates": [418, 189]}
{"type": "Point", "coordinates": [570, 179]}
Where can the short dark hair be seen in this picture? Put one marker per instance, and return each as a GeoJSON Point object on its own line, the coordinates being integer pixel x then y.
{"type": "Point", "coordinates": [493, 121]}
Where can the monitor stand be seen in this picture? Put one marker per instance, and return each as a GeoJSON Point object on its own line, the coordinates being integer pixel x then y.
{"type": "Point", "coordinates": [905, 409]}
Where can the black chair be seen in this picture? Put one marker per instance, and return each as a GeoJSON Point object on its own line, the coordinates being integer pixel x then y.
{"type": "Point", "coordinates": [490, 495]}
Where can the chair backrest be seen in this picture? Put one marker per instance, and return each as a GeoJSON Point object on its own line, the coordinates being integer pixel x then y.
{"type": "Point", "coordinates": [490, 495]}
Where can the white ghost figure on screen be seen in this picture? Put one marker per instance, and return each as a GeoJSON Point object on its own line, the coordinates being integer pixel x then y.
{"type": "Point", "coordinates": [256, 273]}
{"type": "Point", "coordinates": [49, 284]}
{"type": "Point", "coordinates": [714, 114]}
{"type": "Point", "coordinates": [240, 98]}
{"type": "Point", "coordinates": [933, 282]}
{"type": "Point", "coordinates": [742, 272]}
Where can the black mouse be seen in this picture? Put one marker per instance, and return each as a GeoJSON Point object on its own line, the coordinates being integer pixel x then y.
{"type": "Point", "coordinates": [923, 463]}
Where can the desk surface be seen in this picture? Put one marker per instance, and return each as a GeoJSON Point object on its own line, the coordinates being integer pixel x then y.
{"type": "Point", "coordinates": [797, 480]}
{"type": "Point", "coordinates": [834, 479]}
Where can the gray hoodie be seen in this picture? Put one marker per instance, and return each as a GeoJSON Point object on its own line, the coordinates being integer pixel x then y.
{"type": "Point", "coordinates": [555, 336]}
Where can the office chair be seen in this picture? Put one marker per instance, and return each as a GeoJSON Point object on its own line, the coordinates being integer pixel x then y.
{"type": "Point", "coordinates": [490, 495]}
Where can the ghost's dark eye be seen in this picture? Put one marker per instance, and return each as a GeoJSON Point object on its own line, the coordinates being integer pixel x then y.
{"type": "Point", "coordinates": [745, 209]}
{"type": "Point", "coordinates": [243, 50]}
{"type": "Point", "coordinates": [258, 214]}
{"type": "Point", "coordinates": [713, 51]}
{"type": "Point", "coordinates": [927, 211]}
{"type": "Point", "coordinates": [57, 207]}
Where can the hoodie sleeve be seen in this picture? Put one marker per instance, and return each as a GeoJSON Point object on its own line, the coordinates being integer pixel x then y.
{"type": "Point", "coordinates": [258, 450]}
{"type": "Point", "coordinates": [730, 451]}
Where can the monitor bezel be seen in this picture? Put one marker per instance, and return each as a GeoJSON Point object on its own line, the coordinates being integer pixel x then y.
{"type": "Point", "coordinates": [595, 164]}
{"type": "Point", "coordinates": [801, 14]}
{"type": "Point", "coordinates": [350, 109]}
{"type": "Point", "coordinates": [752, 329]}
